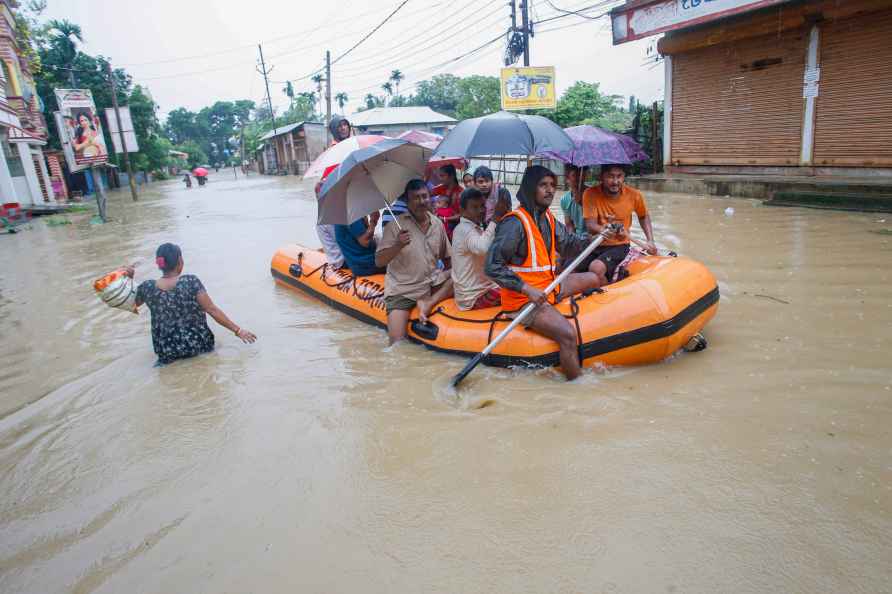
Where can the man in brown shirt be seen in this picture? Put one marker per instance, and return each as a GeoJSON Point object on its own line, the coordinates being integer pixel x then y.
{"type": "Point", "coordinates": [416, 253]}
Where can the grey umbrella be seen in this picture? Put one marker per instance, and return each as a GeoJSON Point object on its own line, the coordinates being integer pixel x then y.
{"type": "Point", "coordinates": [370, 179]}
{"type": "Point", "coordinates": [504, 133]}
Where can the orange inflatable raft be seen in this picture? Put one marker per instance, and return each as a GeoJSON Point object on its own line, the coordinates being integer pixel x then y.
{"type": "Point", "coordinates": [658, 309]}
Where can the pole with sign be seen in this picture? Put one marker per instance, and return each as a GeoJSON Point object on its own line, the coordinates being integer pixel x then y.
{"type": "Point", "coordinates": [114, 94]}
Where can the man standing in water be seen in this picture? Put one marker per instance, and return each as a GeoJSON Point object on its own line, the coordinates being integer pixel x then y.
{"type": "Point", "coordinates": [522, 261]}
{"type": "Point", "coordinates": [613, 201]}
{"type": "Point", "coordinates": [416, 252]}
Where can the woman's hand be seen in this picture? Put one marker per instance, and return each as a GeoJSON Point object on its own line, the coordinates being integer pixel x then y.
{"type": "Point", "coordinates": [246, 335]}
{"type": "Point", "coordinates": [129, 270]}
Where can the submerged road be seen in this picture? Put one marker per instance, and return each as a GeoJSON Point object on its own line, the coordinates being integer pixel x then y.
{"type": "Point", "coordinates": [317, 460]}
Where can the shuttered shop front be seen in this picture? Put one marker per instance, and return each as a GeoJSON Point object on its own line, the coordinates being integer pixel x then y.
{"type": "Point", "coordinates": [853, 125]}
{"type": "Point", "coordinates": [739, 103]}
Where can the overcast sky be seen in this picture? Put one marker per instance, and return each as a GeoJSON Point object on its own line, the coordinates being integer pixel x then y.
{"type": "Point", "coordinates": [191, 53]}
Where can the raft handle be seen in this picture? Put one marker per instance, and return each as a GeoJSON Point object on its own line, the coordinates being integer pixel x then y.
{"type": "Point", "coordinates": [295, 270]}
{"type": "Point", "coordinates": [427, 331]}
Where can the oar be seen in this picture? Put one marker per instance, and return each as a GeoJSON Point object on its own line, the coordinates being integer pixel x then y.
{"type": "Point", "coordinates": [525, 312]}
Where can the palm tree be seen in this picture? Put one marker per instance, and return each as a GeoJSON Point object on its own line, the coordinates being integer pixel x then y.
{"type": "Point", "coordinates": [388, 88]}
{"type": "Point", "coordinates": [342, 99]}
{"type": "Point", "coordinates": [289, 91]}
{"type": "Point", "coordinates": [396, 76]}
{"type": "Point", "coordinates": [370, 101]}
{"type": "Point", "coordinates": [65, 34]}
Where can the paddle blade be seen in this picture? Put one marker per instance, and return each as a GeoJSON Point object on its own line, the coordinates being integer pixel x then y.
{"type": "Point", "coordinates": [468, 369]}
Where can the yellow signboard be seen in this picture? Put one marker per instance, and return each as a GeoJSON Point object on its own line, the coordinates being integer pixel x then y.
{"type": "Point", "coordinates": [528, 88]}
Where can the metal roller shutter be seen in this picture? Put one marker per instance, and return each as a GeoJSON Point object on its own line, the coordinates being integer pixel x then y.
{"type": "Point", "coordinates": [739, 103]}
{"type": "Point", "coordinates": [853, 125]}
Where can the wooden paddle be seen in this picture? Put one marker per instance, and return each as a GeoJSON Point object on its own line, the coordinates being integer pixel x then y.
{"type": "Point", "coordinates": [529, 307]}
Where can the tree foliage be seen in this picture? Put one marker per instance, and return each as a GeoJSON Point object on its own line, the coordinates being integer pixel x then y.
{"type": "Point", "coordinates": [56, 45]}
{"type": "Point", "coordinates": [583, 103]}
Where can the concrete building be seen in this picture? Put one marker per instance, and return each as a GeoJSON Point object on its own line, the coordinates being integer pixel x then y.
{"type": "Point", "coordinates": [24, 177]}
{"type": "Point", "coordinates": [772, 87]}
{"type": "Point", "coordinates": [393, 121]}
{"type": "Point", "coordinates": [291, 148]}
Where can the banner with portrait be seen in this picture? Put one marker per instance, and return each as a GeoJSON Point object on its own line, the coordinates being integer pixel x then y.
{"type": "Point", "coordinates": [82, 127]}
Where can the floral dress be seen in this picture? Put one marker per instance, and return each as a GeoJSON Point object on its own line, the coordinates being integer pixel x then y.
{"type": "Point", "coordinates": [179, 324]}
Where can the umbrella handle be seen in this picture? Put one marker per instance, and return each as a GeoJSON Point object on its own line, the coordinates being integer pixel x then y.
{"type": "Point", "coordinates": [387, 206]}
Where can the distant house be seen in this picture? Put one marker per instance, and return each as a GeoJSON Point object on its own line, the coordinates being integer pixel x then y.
{"type": "Point", "coordinates": [393, 121]}
{"type": "Point", "coordinates": [291, 148]}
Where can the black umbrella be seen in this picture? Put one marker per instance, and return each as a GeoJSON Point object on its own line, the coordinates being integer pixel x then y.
{"type": "Point", "coordinates": [504, 133]}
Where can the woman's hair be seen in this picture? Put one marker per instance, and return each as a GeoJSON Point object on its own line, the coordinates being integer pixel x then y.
{"type": "Point", "coordinates": [468, 195]}
{"type": "Point", "coordinates": [467, 174]}
{"type": "Point", "coordinates": [413, 186]}
{"type": "Point", "coordinates": [76, 116]}
{"type": "Point", "coordinates": [484, 172]}
{"type": "Point", "coordinates": [168, 256]}
{"type": "Point", "coordinates": [450, 171]}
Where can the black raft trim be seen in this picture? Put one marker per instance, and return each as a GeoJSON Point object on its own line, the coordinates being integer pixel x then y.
{"type": "Point", "coordinates": [588, 350]}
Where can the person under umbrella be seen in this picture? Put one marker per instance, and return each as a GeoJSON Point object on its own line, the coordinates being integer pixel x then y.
{"type": "Point", "coordinates": [416, 252]}
{"type": "Point", "coordinates": [340, 129]}
{"type": "Point", "coordinates": [608, 202]}
{"type": "Point", "coordinates": [523, 258]}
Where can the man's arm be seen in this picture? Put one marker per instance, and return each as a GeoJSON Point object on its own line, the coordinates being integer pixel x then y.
{"type": "Point", "coordinates": [508, 235]}
{"type": "Point", "coordinates": [391, 245]}
{"type": "Point", "coordinates": [478, 243]}
{"type": "Point", "coordinates": [367, 237]}
{"type": "Point", "coordinates": [569, 242]}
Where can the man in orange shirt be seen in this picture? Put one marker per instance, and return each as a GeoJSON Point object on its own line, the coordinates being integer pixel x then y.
{"type": "Point", "coordinates": [613, 201]}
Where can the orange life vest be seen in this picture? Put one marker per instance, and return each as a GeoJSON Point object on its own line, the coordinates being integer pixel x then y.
{"type": "Point", "coordinates": [538, 268]}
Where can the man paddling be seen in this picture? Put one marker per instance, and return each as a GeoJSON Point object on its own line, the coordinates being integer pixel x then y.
{"type": "Point", "coordinates": [523, 257]}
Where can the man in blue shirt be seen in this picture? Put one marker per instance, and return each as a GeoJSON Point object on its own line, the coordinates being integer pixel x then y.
{"type": "Point", "coordinates": [357, 243]}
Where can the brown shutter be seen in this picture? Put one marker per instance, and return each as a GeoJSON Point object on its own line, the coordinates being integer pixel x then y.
{"type": "Point", "coordinates": [740, 103]}
{"type": "Point", "coordinates": [853, 125]}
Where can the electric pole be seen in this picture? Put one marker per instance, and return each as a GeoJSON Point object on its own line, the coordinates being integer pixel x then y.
{"type": "Point", "coordinates": [114, 94]}
{"type": "Point", "coordinates": [525, 19]}
{"type": "Point", "coordinates": [327, 93]}
{"type": "Point", "coordinates": [269, 102]}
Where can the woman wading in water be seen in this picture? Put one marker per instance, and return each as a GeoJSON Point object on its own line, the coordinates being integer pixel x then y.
{"type": "Point", "coordinates": [179, 304]}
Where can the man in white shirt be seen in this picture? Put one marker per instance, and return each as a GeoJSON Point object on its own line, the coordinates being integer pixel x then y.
{"type": "Point", "coordinates": [470, 242]}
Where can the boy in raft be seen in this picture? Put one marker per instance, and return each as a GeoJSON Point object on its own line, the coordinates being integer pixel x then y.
{"type": "Point", "coordinates": [613, 201]}
{"type": "Point", "coordinates": [470, 243]}
{"type": "Point", "coordinates": [523, 257]}
{"type": "Point", "coordinates": [416, 253]}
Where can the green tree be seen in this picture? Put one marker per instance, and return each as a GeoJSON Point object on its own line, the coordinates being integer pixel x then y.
{"type": "Point", "coordinates": [584, 102]}
{"type": "Point", "coordinates": [396, 77]}
{"type": "Point", "coordinates": [441, 93]}
{"type": "Point", "coordinates": [478, 96]}
{"type": "Point", "coordinates": [387, 88]}
{"type": "Point", "coordinates": [197, 156]}
{"type": "Point", "coordinates": [371, 101]}
{"type": "Point", "coordinates": [289, 91]}
{"type": "Point", "coordinates": [62, 37]}
{"type": "Point", "coordinates": [181, 125]}
{"type": "Point", "coordinates": [342, 99]}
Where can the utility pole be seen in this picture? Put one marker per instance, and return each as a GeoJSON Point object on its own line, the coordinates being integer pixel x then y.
{"type": "Point", "coordinates": [114, 94]}
{"type": "Point", "coordinates": [262, 70]}
{"type": "Point", "coordinates": [327, 93]}
{"type": "Point", "coordinates": [513, 6]}
{"type": "Point", "coordinates": [525, 16]}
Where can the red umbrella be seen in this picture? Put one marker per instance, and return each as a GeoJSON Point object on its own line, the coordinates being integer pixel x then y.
{"type": "Point", "coordinates": [200, 172]}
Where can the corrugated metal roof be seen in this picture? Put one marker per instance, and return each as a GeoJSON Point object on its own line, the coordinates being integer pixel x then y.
{"type": "Point", "coordinates": [286, 129]}
{"type": "Point", "coordinates": [388, 116]}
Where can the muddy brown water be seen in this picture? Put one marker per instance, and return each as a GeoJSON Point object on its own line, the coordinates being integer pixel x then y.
{"type": "Point", "coordinates": [317, 460]}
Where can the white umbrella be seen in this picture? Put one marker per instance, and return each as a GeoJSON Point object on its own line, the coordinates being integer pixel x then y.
{"type": "Point", "coordinates": [370, 179]}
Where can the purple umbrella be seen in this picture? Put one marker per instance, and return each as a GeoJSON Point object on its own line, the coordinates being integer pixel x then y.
{"type": "Point", "coordinates": [595, 146]}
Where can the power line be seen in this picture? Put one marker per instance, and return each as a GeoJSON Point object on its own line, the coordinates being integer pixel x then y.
{"type": "Point", "coordinates": [412, 51]}
{"type": "Point", "coordinates": [351, 19]}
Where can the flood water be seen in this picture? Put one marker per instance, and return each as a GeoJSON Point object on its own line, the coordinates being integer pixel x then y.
{"type": "Point", "coordinates": [317, 460]}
